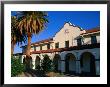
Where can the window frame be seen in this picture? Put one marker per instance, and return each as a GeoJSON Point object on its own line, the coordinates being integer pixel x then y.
{"type": "Point", "coordinates": [57, 45]}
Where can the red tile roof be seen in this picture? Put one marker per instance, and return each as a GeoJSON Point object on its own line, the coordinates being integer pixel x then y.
{"type": "Point", "coordinates": [42, 41]}
{"type": "Point", "coordinates": [88, 46]}
{"type": "Point", "coordinates": [47, 51]}
{"type": "Point", "coordinates": [92, 30]}
{"type": "Point", "coordinates": [51, 39]}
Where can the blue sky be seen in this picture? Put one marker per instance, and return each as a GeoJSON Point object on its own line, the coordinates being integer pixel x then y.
{"type": "Point", "coordinates": [84, 19]}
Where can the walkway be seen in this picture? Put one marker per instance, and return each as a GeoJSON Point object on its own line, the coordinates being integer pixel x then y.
{"type": "Point", "coordinates": [34, 73]}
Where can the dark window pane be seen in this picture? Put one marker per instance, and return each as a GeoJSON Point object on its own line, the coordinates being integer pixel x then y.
{"type": "Point", "coordinates": [34, 48]}
{"type": "Point", "coordinates": [48, 46]}
{"type": "Point", "coordinates": [66, 43]}
{"type": "Point", "coordinates": [93, 39]}
{"type": "Point", "coordinates": [57, 45]}
{"type": "Point", "coordinates": [79, 42]}
{"type": "Point", "coordinates": [40, 47]}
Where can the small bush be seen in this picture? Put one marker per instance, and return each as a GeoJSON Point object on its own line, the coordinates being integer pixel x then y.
{"type": "Point", "coordinates": [16, 66]}
{"type": "Point", "coordinates": [46, 64]}
{"type": "Point", "coordinates": [38, 67]}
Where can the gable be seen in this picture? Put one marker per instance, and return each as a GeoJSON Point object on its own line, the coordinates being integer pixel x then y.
{"type": "Point", "coordinates": [68, 29]}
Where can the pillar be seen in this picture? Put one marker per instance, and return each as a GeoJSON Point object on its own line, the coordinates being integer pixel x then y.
{"type": "Point", "coordinates": [33, 63]}
{"type": "Point", "coordinates": [33, 60]}
{"type": "Point", "coordinates": [41, 58]}
{"type": "Point", "coordinates": [62, 66]}
{"type": "Point", "coordinates": [78, 66]}
{"type": "Point", "coordinates": [97, 63]}
{"type": "Point", "coordinates": [62, 62]}
{"type": "Point", "coordinates": [52, 56]}
{"type": "Point", "coordinates": [22, 59]}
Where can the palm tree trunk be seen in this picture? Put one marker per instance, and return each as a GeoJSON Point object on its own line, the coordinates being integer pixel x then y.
{"type": "Point", "coordinates": [28, 52]}
{"type": "Point", "coordinates": [28, 46]}
{"type": "Point", "coordinates": [12, 47]}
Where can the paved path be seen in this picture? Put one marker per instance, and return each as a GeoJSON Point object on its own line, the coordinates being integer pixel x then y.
{"type": "Point", "coordinates": [26, 74]}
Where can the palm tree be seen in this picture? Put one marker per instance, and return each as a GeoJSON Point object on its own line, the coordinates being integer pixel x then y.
{"type": "Point", "coordinates": [16, 36]}
{"type": "Point", "coordinates": [32, 22]}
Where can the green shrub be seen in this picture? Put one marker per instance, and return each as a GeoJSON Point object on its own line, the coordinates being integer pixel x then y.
{"type": "Point", "coordinates": [46, 64]}
{"type": "Point", "coordinates": [38, 67]}
{"type": "Point", "coordinates": [16, 66]}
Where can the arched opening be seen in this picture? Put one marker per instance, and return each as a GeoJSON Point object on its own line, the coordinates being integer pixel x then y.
{"type": "Point", "coordinates": [37, 63]}
{"type": "Point", "coordinates": [88, 64]}
{"type": "Point", "coordinates": [57, 62]}
{"type": "Point", "coordinates": [70, 64]}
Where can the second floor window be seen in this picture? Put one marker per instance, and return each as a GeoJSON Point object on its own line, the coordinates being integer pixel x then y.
{"type": "Point", "coordinates": [57, 45]}
{"type": "Point", "coordinates": [93, 39]}
{"type": "Point", "coordinates": [48, 46]}
{"type": "Point", "coordinates": [66, 43]}
{"type": "Point", "coordinates": [34, 48]}
{"type": "Point", "coordinates": [79, 42]}
{"type": "Point", "coordinates": [40, 47]}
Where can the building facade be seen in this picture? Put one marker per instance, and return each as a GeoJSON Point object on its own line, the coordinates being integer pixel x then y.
{"type": "Point", "coordinates": [74, 50]}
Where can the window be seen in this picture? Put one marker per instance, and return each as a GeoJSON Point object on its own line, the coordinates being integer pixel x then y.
{"type": "Point", "coordinates": [57, 45]}
{"type": "Point", "coordinates": [93, 39]}
{"type": "Point", "coordinates": [66, 43]}
{"type": "Point", "coordinates": [48, 46]}
{"type": "Point", "coordinates": [40, 47]}
{"type": "Point", "coordinates": [34, 48]}
{"type": "Point", "coordinates": [79, 42]}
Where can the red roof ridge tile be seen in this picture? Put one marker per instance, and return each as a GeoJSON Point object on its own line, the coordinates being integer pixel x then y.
{"type": "Point", "coordinates": [45, 40]}
{"type": "Point", "coordinates": [92, 30]}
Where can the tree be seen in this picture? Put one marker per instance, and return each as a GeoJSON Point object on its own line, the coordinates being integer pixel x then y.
{"type": "Point", "coordinates": [32, 22]}
{"type": "Point", "coordinates": [16, 66]}
{"type": "Point", "coordinates": [16, 36]}
{"type": "Point", "coordinates": [46, 64]}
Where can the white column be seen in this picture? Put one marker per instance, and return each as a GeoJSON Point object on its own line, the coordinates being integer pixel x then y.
{"type": "Point", "coordinates": [62, 65]}
{"type": "Point", "coordinates": [41, 58]}
{"type": "Point", "coordinates": [62, 62]}
{"type": "Point", "coordinates": [78, 68]}
{"type": "Point", "coordinates": [22, 59]}
{"type": "Point", "coordinates": [33, 60]}
{"type": "Point", "coordinates": [97, 63]}
{"type": "Point", "coordinates": [33, 63]}
{"type": "Point", "coordinates": [52, 56]}
{"type": "Point", "coordinates": [40, 62]}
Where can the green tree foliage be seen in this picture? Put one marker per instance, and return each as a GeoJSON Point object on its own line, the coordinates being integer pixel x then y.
{"type": "Point", "coordinates": [46, 64]}
{"type": "Point", "coordinates": [16, 66]}
{"type": "Point", "coordinates": [16, 36]}
{"type": "Point", "coordinates": [31, 22]}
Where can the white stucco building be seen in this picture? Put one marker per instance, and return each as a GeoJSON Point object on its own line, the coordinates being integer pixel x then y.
{"type": "Point", "coordinates": [75, 50]}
